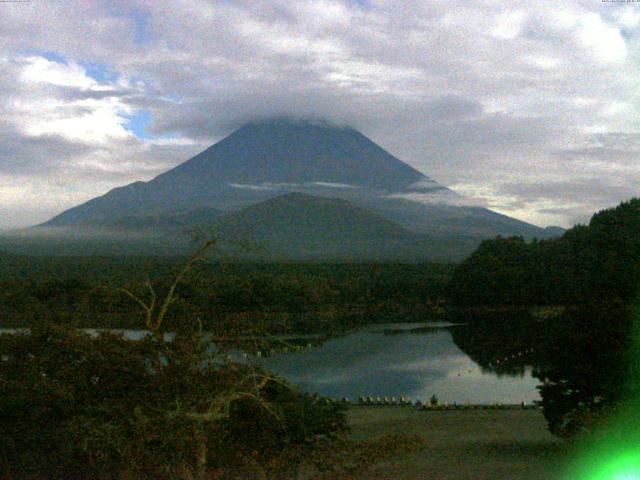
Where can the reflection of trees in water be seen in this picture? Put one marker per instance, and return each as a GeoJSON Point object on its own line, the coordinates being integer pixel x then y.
{"type": "Point", "coordinates": [580, 357]}
{"type": "Point", "coordinates": [587, 368]}
{"type": "Point", "coordinates": [504, 344]}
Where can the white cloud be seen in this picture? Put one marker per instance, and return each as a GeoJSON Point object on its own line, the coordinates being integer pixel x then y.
{"type": "Point", "coordinates": [95, 122]}
{"type": "Point", "coordinates": [542, 61]}
{"type": "Point", "coordinates": [603, 40]}
{"type": "Point", "coordinates": [425, 184]}
{"type": "Point", "coordinates": [629, 16]}
{"type": "Point", "coordinates": [439, 197]}
{"type": "Point", "coordinates": [508, 25]}
{"type": "Point", "coordinates": [267, 186]}
{"type": "Point", "coordinates": [39, 69]}
{"type": "Point", "coordinates": [332, 185]}
{"type": "Point", "coordinates": [246, 186]}
{"type": "Point", "coordinates": [563, 18]}
{"type": "Point", "coordinates": [39, 110]}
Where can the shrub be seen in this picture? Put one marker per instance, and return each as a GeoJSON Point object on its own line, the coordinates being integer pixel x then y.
{"type": "Point", "coordinates": [74, 405]}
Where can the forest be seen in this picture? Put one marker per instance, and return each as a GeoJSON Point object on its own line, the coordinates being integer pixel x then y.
{"type": "Point", "coordinates": [598, 262]}
{"type": "Point", "coordinates": [285, 298]}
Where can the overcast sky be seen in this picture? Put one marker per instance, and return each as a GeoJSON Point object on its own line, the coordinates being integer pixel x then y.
{"type": "Point", "coordinates": [530, 108]}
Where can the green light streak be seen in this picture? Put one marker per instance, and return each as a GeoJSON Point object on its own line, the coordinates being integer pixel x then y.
{"type": "Point", "coordinates": [613, 453]}
{"type": "Point", "coordinates": [624, 467]}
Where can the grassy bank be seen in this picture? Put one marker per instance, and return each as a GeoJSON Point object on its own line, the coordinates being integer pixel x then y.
{"type": "Point", "coordinates": [464, 445]}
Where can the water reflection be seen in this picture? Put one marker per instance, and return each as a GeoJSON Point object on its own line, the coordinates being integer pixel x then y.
{"type": "Point", "coordinates": [455, 363]}
{"type": "Point", "coordinates": [391, 361]}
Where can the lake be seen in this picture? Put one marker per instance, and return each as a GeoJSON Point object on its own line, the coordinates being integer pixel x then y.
{"type": "Point", "coordinates": [401, 360]}
{"type": "Point", "coordinates": [396, 360]}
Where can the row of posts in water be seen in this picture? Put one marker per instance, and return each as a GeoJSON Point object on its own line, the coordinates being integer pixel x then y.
{"type": "Point", "coordinates": [304, 348]}
{"type": "Point", "coordinates": [283, 350]}
{"type": "Point", "coordinates": [433, 404]}
{"type": "Point", "coordinates": [514, 356]}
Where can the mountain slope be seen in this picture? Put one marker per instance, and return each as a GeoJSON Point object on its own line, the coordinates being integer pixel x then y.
{"type": "Point", "coordinates": [445, 219]}
{"type": "Point", "coordinates": [284, 151]}
{"type": "Point", "coordinates": [192, 218]}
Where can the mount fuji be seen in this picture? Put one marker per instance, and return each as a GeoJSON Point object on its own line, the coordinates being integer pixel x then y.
{"type": "Point", "coordinates": [308, 188]}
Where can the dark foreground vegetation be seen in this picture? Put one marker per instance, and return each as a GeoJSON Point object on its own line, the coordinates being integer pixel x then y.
{"type": "Point", "coordinates": [585, 357]}
{"type": "Point", "coordinates": [74, 406]}
{"type": "Point", "coordinates": [597, 263]}
{"type": "Point", "coordinates": [81, 406]}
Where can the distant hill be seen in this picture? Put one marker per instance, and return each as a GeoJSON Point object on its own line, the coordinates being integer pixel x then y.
{"type": "Point", "coordinates": [297, 225]}
{"type": "Point", "coordinates": [552, 232]}
{"type": "Point", "coordinates": [293, 226]}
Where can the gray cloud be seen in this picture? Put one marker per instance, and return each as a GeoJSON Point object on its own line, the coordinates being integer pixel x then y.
{"type": "Point", "coordinates": [39, 155]}
{"type": "Point", "coordinates": [578, 198]}
{"type": "Point", "coordinates": [617, 148]}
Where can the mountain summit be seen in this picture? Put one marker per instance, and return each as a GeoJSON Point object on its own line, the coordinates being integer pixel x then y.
{"type": "Point", "coordinates": [297, 152]}
{"type": "Point", "coordinates": [258, 161]}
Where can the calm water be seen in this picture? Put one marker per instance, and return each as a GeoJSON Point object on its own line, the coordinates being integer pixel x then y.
{"type": "Point", "coordinates": [373, 362]}
{"type": "Point", "coordinates": [370, 362]}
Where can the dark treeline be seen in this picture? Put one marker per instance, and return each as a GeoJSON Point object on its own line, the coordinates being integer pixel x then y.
{"type": "Point", "coordinates": [597, 262]}
{"type": "Point", "coordinates": [87, 292]}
